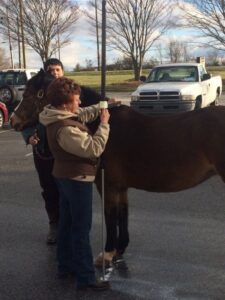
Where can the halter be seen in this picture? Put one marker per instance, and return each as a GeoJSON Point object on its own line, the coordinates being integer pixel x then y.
{"type": "Point", "coordinates": [40, 94]}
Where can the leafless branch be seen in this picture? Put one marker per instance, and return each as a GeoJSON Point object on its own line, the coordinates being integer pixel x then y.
{"type": "Point", "coordinates": [43, 22]}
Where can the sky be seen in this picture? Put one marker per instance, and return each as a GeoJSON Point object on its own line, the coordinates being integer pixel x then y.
{"type": "Point", "coordinates": [78, 50]}
{"type": "Point", "coordinates": [83, 47]}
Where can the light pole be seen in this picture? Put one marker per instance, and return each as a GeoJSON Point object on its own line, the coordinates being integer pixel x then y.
{"type": "Point", "coordinates": [103, 67]}
{"type": "Point", "coordinates": [103, 76]}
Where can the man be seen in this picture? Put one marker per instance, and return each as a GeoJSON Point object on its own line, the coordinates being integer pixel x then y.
{"type": "Point", "coordinates": [43, 160]}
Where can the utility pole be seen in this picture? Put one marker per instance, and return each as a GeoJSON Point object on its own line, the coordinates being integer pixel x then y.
{"type": "Point", "coordinates": [18, 38]}
{"type": "Point", "coordinates": [9, 36]}
{"type": "Point", "coordinates": [97, 34]}
{"type": "Point", "coordinates": [103, 73]}
{"type": "Point", "coordinates": [58, 38]}
{"type": "Point", "coordinates": [22, 33]}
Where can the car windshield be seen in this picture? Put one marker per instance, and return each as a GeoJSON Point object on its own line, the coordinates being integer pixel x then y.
{"type": "Point", "coordinates": [173, 73]}
{"type": "Point", "coordinates": [12, 78]}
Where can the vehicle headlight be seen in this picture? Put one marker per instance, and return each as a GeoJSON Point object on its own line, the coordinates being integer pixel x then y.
{"type": "Point", "coordinates": [134, 98]}
{"type": "Point", "coordinates": [187, 97]}
{"type": "Point", "coordinates": [3, 104]}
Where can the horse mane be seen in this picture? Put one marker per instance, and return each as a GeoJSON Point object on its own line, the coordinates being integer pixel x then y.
{"type": "Point", "coordinates": [40, 81]}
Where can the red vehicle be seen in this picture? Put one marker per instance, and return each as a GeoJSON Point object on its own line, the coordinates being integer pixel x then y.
{"type": "Point", "coordinates": [4, 115]}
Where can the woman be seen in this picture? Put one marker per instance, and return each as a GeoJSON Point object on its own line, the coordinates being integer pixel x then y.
{"type": "Point", "coordinates": [75, 152]}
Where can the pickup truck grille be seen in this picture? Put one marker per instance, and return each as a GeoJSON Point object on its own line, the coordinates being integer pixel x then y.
{"type": "Point", "coordinates": [157, 95]}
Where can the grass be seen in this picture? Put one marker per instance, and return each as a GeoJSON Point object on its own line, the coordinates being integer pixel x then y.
{"type": "Point", "coordinates": [116, 81]}
{"type": "Point", "coordinates": [122, 81]}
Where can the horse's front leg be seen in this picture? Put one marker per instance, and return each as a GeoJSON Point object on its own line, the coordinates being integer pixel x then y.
{"type": "Point", "coordinates": [111, 221]}
{"type": "Point", "coordinates": [116, 220]}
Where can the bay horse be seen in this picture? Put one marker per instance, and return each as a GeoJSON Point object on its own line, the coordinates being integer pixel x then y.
{"type": "Point", "coordinates": [166, 153]}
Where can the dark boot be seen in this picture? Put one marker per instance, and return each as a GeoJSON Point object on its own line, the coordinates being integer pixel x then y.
{"type": "Point", "coordinates": [52, 234]}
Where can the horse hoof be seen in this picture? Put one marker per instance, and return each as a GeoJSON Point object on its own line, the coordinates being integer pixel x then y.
{"type": "Point", "coordinates": [108, 257]}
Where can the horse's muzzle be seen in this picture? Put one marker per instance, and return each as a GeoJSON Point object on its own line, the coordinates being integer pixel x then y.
{"type": "Point", "coordinates": [15, 122]}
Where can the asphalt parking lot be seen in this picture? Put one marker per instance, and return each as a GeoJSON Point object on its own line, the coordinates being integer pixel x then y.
{"type": "Point", "coordinates": [176, 250]}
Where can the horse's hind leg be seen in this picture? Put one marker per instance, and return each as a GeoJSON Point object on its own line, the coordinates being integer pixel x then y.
{"type": "Point", "coordinates": [112, 200]}
{"type": "Point", "coordinates": [123, 238]}
{"type": "Point", "coordinates": [220, 168]}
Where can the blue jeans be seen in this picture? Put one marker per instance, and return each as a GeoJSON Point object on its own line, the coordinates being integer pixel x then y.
{"type": "Point", "coordinates": [74, 252]}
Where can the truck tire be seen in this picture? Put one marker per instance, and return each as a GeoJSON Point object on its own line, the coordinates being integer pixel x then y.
{"type": "Point", "coordinates": [1, 119]}
{"type": "Point", "coordinates": [7, 94]}
{"type": "Point", "coordinates": [198, 103]}
{"type": "Point", "coordinates": [216, 101]}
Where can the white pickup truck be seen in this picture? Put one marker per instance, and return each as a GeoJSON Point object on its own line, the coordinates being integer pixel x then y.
{"type": "Point", "coordinates": [175, 88]}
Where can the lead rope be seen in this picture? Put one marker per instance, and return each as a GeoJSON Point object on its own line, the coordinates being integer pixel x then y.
{"type": "Point", "coordinates": [103, 212]}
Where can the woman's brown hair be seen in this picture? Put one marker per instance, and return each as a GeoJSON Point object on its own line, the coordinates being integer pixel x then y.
{"type": "Point", "coordinates": [61, 91]}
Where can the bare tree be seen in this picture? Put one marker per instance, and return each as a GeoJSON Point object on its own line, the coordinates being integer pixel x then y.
{"type": "Point", "coordinates": [4, 60]}
{"type": "Point", "coordinates": [186, 53]}
{"type": "Point", "coordinates": [208, 17]}
{"type": "Point", "coordinates": [94, 15]}
{"type": "Point", "coordinates": [45, 26]}
{"type": "Point", "coordinates": [212, 57]}
{"type": "Point", "coordinates": [177, 51]}
{"type": "Point", "coordinates": [159, 51]}
{"type": "Point", "coordinates": [134, 25]}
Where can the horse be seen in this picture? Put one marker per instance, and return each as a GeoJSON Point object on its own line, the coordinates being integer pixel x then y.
{"type": "Point", "coordinates": [162, 154]}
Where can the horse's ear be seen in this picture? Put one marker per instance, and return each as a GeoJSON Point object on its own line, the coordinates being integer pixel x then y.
{"type": "Point", "coordinates": [41, 71]}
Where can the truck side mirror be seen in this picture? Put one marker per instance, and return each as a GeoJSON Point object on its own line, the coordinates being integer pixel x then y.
{"type": "Point", "coordinates": [142, 78]}
{"type": "Point", "coordinates": [206, 76]}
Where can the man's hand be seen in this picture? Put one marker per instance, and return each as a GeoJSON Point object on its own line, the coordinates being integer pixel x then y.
{"type": "Point", "coordinates": [34, 139]}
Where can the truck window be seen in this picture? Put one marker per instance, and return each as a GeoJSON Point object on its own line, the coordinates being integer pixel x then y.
{"type": "Point", "coordinates": [33, 73]}
{"type": "Point", "coordinates": [7, 78]}
{"type": "Point", "coordinates": [176, 73]}
{"type": "Point", "coordinates": [21, 79]}
{"type": "Point", "coordinates": [202, 71]}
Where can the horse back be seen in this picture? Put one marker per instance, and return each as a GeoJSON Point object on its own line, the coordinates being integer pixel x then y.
{"type": "Point", "coordinates": [164, 153]}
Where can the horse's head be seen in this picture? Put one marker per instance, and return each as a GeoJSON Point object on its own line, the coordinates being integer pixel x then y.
{"type": "Point", "coordinates": [26, 113]}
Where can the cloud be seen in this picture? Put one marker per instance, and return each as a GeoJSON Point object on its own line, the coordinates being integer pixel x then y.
{"type": "Point", "coordinates": [83, 45]}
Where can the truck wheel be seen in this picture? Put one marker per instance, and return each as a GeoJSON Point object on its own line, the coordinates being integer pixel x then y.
{"type": "Point", "coordinates": [198, 103]}
{"type": "Point", "coordinates": [7, 94]}
{"type": "Point", "coordinates": [216, 102]}
{"type": "Point", "coordinates": [1, 119]}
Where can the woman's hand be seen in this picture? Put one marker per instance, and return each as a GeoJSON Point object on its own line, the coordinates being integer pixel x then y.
{"type": "Point", "coordinates": [104, 116]}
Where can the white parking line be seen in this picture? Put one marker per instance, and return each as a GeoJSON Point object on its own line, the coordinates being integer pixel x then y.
{"type": "Point", "coordinates": [2, 131]}
{"type": "Point", "coordinates": [28, 154]}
